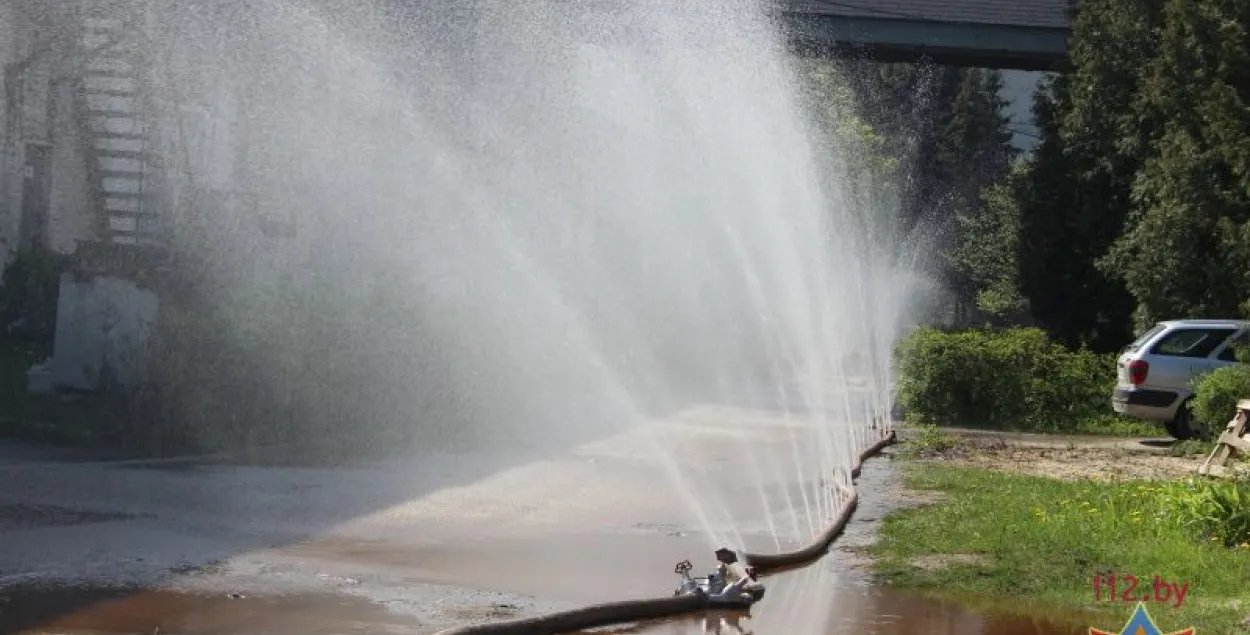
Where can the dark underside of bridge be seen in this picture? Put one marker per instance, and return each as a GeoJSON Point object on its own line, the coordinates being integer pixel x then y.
{"type": "Point", "coordinates": [1038, 45]}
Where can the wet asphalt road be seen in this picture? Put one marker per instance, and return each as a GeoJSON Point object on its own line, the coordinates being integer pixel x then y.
{"type": "Point", "coordinates": [426, 543]}
{"type": "Point", "coordinates": [437, 538]}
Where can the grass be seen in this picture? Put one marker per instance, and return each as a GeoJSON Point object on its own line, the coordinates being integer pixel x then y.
{"type": "Point", "coordinates": [997, 534]}
{"type": "Point", "coordinates": [929, 440]}
{"type": "Point", "coordinates": [1109, 424]}
{"type": "Point", "coordinates": [1192, 447]}
{"type": "Point", "coordinates": [1116, 425]}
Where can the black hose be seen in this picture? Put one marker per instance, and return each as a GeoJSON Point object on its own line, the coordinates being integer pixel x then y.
{"type": "Point", "coordinates": [765, 562]}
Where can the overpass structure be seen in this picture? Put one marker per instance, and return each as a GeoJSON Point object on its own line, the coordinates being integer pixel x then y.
{"type": "Point", "coordinates": [1007, 34]}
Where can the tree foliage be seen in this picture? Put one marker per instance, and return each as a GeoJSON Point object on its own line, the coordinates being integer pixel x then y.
{"type": "Point", "coordinates": [972, 153]}
{"type": "Point", "coordinates": [1185, 251]}
{"type": "Point", "coordinates": [949, 128]}
{"type": "Point", "coordinates": [831, 99]}
{"type": "Point", "coordinates": [988, 252]}
{"type": "Point", "coordinates": [1137, 207]}
{"type": "Point", "coordinates": [1078, 197]}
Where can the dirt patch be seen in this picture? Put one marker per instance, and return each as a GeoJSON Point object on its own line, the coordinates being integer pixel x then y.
{"type": "Point", "coordinates": [943, 561]}
{"type": "Point", "coordinates": [903, 497]}
{"type": "Point", "coordinates": [1074, 461]}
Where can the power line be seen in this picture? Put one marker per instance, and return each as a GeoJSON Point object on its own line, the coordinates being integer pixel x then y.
{"type": "Point", "coordinates": [1015, 130]}
{"type": "Point", "coordinates": [816, 4]}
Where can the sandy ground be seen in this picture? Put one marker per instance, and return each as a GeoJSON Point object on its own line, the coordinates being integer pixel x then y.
{"type": "Point", "coordinates": [1071, 457]}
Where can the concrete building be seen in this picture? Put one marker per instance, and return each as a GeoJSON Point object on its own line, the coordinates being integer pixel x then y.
{"type": "Point", "coordinates": [43, 180]}
{"type": "Point", "coordinates": [118, 141]}
{"type": "Point", "coordinates": [76, 150]}
{"type": "Point", "coordinates": [74, 174]}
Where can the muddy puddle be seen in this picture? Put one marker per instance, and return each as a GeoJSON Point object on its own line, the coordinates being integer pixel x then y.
{"type": "Point", "coordinates": [884, 613]}
{"type": "Point", "coordinates": [166, 612]}
{"type": "Point", "coordinates": [113, 612]}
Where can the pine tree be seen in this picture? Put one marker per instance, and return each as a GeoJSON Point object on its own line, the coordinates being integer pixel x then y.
{"type": "Point", "coordinates": [972, 152]}
{"type": "Point", "coordinates": [974, 143]}
{"type": "Point", "coordinates": [950, 129]}
{"type": "Point", "coordinates": [1079, 192]}
{"type": "Point", "coordinates": [1060, 240]}
{"type": "Point", "coordinates": [1185, 251]}
{"type": "Point", "coordinates": [988, 252]}
{"type": "Point", "coordinates": [1049, 275]}
{"type": "Point", "coordinates": [905, 103]}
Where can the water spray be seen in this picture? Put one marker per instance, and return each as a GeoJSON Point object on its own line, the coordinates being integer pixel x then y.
{"type": "Point", "coordinates": [694, 594]}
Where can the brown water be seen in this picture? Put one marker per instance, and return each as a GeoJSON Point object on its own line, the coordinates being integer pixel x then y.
{"type": "Point", "coordinates": [879, 613]}
{"type": "Point", "coordinates": [153, 612]}
{"type": "Point", "coordinates": [77, 612]}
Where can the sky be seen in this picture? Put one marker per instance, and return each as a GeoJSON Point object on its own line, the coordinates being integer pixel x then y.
{"type": "Point", "coordinates": [1018, 88]}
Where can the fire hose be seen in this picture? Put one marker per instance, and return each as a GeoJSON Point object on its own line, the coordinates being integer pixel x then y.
{"type": "Point", "coordinates": [622, 612]}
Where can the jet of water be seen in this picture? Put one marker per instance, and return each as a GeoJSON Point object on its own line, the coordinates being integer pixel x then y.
{"type": "Point", "coordinates": [527, 223]}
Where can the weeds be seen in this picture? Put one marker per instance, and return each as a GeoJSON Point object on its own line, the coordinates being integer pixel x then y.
{"type": "Point", "coordinates": [1112, 424]}
{"type": "Point", "coordinates": [929, 440]}
{"type": "Point", "coordinates": [1045, 539]}
{"type": "Point", "coordinates": [1191, 447]}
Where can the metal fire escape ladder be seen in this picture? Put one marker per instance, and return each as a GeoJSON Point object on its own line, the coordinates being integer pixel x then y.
{"type": "Point", "coordinates": [114, 118]}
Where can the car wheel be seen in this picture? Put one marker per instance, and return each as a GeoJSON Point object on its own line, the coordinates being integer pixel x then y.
{"type": "Point", "coordinates": [1184, 426]}
{"type": "Point", "coordinates": [1174, 430]}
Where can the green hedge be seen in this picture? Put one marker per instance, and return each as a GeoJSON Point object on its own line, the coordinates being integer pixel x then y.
{"type": "Point", "coordinates": [1216, 394]}
{"type": "Point", "coordinates": [1010, 379]}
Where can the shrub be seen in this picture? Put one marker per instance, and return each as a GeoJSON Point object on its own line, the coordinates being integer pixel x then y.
{"type": "Point", "coordinates": [1216, 394]}
{"type": "Point", "coordinates": [1010, 378]}
{"type": "Point", "coordinates": [1218, 511]}
{"type": "Point", "coordinates": [29, 288]}
{"type": "Point", "coordinates": [1191, 447]}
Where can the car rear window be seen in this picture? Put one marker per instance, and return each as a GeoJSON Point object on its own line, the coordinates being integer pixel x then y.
{"type": "Point", "coordinates": [1191, 342]}
{"type": "Point", "coordinates": [1230, 354]}
{"type": "Point", "coordinates": [1141, 339]}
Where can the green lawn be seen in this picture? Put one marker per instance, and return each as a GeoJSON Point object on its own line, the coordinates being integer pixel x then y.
{"type": "Point", "coordinates": [997, 534]}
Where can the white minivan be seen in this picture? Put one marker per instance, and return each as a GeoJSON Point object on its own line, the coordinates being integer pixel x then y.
{"type": "Point", "coordinates": [1155, 373]}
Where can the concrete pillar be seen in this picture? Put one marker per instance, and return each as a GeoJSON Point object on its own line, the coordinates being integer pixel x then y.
{"type": "Point", "coordinates": [10, 159]}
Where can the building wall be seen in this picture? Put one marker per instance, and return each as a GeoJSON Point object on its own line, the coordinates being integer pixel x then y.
{"type": "Point", "coordinates": [37, 109]}
{"type": "Point", "coordinates": [71, 215]}
{"type": "Point", "coordinates": [10, 158]}
{"type": "Point", "coordinates": [102, 326]}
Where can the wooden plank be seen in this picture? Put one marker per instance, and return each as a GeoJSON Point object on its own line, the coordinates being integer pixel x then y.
{"type": "Point", "coordinates": [1238, 424]}
{"type": "Point", "coordinates": [1215, 459]}
{"type": "Point", "coordinates": [1236, 442]}
{"type": "Point", "coordinates": [1231, 442]}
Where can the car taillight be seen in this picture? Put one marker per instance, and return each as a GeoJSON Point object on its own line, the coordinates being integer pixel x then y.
{"type": "Point", "coordinates": [1137, 371]}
